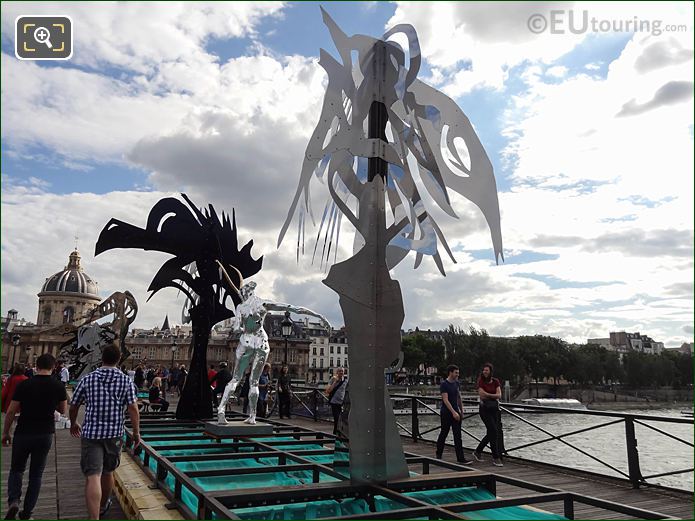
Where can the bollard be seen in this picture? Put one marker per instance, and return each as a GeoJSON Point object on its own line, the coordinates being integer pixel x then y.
{"type": "Point", "coordinates": [632, 454]}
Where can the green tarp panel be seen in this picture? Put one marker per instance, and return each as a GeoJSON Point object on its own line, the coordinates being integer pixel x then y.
{"type": "Point", "coordinates": [465, 494]}
{"type": "Point", "coordinates": [334, 508]}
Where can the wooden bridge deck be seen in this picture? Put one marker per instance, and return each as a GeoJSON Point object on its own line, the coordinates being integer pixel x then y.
{"type": "Point", "coordinates": [62, 493]}
{"type": "Point", "coordinates": [62, 489]}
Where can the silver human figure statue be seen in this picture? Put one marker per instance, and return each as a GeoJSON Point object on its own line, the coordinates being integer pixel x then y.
{"type": "Point", "coordinates": [253, 344]}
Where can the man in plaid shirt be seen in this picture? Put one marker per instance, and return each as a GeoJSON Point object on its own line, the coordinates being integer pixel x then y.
{"type": "Point", "coordinates": [106, 391]}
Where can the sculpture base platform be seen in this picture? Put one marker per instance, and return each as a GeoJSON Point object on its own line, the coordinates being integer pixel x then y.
{"type": "Point", "coordinates": [237, 428]}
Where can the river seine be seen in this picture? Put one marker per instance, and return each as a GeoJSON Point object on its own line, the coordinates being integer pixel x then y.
{"type": "Point", "coordinates": [657, 453]}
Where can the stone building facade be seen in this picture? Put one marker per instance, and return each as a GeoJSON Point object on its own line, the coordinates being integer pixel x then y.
{"type": "Point", "coordinates": [64, 296]}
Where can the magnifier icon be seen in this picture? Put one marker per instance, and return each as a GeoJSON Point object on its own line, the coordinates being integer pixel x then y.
{"type": "Point", "coordinates": [43, 35]}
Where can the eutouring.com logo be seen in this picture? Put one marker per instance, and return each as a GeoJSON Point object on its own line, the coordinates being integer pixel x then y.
{"type": "Point", "coordinates": [564, 21]}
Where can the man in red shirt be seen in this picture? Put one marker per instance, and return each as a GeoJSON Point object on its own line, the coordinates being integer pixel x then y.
{"type": "Point", "coordinates": [211, 373]}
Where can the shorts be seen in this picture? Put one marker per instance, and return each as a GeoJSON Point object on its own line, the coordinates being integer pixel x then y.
{"type": "Point", "coordinates": [100, 456]}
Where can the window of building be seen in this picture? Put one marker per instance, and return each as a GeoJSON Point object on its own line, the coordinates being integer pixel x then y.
{"type": "Point", "coordinates": [68, 314]}
{"type": "Point", "coordinates": [322, 353]}
{"type": "Point", "coordinates": [47, 315]}
{"type": "Point", "coordinates": [313, 351]}
{"type": "Point", "coordinates": [313, 363]}
{"type": "Point", "coordinates": [338, 362]}
{"type": "Point", "coordinates": [330, 363]}
{"type": "Point", "coordinates": [346, 362]}
{"type": "Point", "coordinates": [151, 352]}
{"type": "Point", "coordinates": [345, 349]}
{"type": "Point", "coordinates": [331, 349]}
{"type": "Point", "coordinates": [338, 349]}
{"type": "Point", "coordinates": [321, 363]}
{"type": "Point", "coordinates": [320, 340]}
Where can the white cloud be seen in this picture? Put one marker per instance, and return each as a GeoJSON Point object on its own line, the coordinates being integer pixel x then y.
{"type": "Point", "coordinates": [610, 197]}
{"type": "Point", "coordinates": [557, 71]}
{"type": "Point", "coordinates": [489, 38]}
{"type": "Point", "coordinates": [139, 36]}
{"type": "Point", "coordinates": [160, 77]}
{"type": "Point", "coordinates": [473, 45]}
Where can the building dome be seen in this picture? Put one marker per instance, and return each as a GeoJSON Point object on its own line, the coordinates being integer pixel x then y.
{"type": "Point", "coordinates": [72, 279]}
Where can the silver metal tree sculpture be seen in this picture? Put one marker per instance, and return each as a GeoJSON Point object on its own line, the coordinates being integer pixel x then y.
{"type": "Point", "coordinates": [380, 130]}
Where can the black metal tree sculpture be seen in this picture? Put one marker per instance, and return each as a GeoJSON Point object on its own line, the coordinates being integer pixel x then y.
{"type": "Point", "coordinates": [204, 248]}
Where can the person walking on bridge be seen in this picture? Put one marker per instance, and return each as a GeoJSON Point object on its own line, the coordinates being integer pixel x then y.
{"type": "Point", "coordinates": [490, 392]}
{"type": "Point", "coordinates": [36, 398]}
{"type": "Point", "coordinates": [106, 392]}
{"type": "Point", "coordinates": [335, 390]}
{"type": "Point", "coordinates": [450, 414]}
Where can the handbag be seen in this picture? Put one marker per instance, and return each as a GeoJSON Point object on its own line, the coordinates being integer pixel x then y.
{"type": "Point", "coordinates": [489, 405]}
{"type": "Point", "coordinates": [334, 391]}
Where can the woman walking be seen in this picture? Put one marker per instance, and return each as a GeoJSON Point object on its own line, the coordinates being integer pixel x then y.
{"type": "Point", "coordinates": [490, 392]}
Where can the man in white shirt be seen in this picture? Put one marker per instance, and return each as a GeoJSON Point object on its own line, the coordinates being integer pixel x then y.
{"type": "Point", "coordinates": [64, 374]}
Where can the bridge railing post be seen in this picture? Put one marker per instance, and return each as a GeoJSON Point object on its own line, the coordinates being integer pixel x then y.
{"type": "Point", "coordinates": [315, 405]}
{"type": "Point", "coordinates": [414, 420]}
{"type": "Point", "coordinates": [632, 454]}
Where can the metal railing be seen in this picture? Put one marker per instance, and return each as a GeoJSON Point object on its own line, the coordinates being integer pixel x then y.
{"type": "Point", "coordinates": [312, 403]}
{"type": "Point", "coordinates": [633, 474]}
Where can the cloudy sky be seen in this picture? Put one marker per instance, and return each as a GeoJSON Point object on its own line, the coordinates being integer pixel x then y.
{"type": "Point", "coordinates": [590, 132]}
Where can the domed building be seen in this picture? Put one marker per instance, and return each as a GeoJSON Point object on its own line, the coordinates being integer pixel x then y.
{"type": "Point", "coordinates": [67, 294]}
{"type": "Point", "coordinates": [64, 296]}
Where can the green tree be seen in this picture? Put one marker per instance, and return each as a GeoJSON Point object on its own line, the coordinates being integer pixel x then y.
{"type": "Point", "coordinates": [413, 356]}
{"type": "Point", "coordinates": [638, 370]}
{"type": "Point", "coordinates": [420, 350]}
{"type": "Point", "coordinates": [433, 351]}
{"type": "Point", "coordinates": [664, 369]}
{"type": "Point", "coordinates": [613, 369]}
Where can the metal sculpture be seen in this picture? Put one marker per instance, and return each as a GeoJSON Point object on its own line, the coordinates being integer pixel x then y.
{"type": "Point", "coordinates": [253, 346]}
{"type": "Point", "coordinates": [87, 338]}
{"type": "Point", "coordinates": [380, 131]}
{"type": "Point", "coordinates": [204, 247]}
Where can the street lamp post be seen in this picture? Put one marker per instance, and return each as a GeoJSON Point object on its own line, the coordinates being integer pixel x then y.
{"type": "Point", "coordinates": [287, 326]}
{"type": "Point", "coordinates": [174, 348]}
{"type": "Point", "coordinates": [15, 343]}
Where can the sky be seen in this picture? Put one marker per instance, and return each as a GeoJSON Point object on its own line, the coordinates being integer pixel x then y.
{"type": "Point", "coordinates": [589, 127]}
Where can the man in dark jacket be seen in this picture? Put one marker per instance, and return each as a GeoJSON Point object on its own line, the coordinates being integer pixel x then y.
{"type": "Point", "coordinates": [220, 381]}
